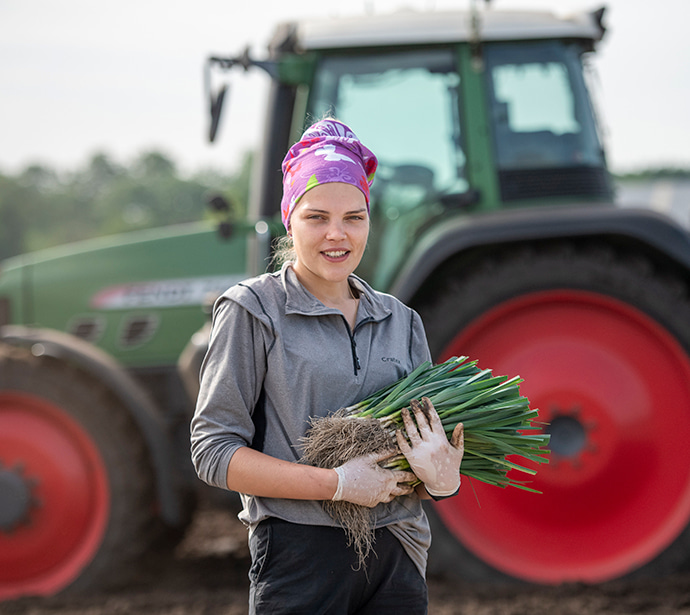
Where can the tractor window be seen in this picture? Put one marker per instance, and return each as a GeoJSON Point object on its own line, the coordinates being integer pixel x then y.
{"type": "Point", "coordinates": [404, 106]}
{"type": "Point", "coordinates": [541, 112]}
{"type": "Point", "coordinates": [536, 98]}
{"type": "Point", "coordinates": [544, 130]}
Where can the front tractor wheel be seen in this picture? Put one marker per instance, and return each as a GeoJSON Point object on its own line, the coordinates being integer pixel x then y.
{"type": "Point", "coordinates": [602, 344]}
{"type": "Point", "coordinates": [75, 489]}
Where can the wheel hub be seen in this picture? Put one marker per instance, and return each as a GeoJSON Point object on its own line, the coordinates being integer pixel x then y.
{"type": "Point", "coordinates": [16, 498]}
{"type": "Point", "coordinates": [568, 435]}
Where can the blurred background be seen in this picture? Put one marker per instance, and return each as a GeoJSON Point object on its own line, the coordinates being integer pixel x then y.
{"type": "Point", "coordinates": [95, 90]}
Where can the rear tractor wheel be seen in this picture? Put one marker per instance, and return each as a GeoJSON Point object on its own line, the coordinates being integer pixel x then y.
{"type": "Point", "coordinates": [75, 488]}
{"type": "Point", "coordinates": [602, 343]}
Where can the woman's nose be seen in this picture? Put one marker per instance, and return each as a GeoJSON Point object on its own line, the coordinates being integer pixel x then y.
{"type": "Point", "coordinates": [335, 230]}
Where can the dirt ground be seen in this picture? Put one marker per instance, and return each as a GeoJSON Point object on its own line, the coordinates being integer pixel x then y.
{"type": "Point", "coordinates": [208, 576]}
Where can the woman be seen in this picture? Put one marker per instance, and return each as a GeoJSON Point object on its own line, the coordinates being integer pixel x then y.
{"type": "Point", "coordinates": [301, 342]}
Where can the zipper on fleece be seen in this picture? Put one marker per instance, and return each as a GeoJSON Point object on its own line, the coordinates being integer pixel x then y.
{"type": "Point", "coordinates": [353, 344]}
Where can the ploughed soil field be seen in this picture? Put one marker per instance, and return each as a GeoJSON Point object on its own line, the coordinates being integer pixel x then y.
{"type": "Point", "coordinates": [207, 575]}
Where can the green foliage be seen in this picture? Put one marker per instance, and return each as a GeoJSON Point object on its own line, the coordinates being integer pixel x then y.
{"type": "Point", "coordinates": [40, 208]}
{"type": "Point", "coordinates": [656, 173]}
{"type": "Point", "coordinates": [19, 205]}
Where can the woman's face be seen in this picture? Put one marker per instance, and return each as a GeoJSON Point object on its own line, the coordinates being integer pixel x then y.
{"type": "Point", "coordinates": [329, 227]}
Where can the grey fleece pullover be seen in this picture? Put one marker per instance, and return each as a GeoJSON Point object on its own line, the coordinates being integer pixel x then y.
{"type": "Point", "coordinates": [278, 356]}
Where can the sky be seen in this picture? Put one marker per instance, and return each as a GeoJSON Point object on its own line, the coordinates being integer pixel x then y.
{"type": "Point", "coordinates": [122, 77]}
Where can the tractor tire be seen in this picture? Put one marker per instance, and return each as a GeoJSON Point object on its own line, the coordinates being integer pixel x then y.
{"type": "Point", "coordinates": [76, 489]}
{"type": "Point", "coordinates": [602, 342]}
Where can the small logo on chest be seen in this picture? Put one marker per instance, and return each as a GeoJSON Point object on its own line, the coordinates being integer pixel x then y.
{"type": "Point", "coordinates": [390, 360]}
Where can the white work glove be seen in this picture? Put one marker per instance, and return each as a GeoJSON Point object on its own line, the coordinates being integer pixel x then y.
{"type": "Point", "coordinates": [434, 460]}
{"type": "Point", "coordinates": [363, 481]}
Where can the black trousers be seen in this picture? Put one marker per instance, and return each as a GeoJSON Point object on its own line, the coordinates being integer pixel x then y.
{"type": "Point", "coordinates": [310, 570]}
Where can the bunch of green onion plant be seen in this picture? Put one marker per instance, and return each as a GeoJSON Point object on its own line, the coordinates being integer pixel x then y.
{"type": "Point", "coordinates": [499, 423]}
{"type": "Point", "coordinates": [498, 426]}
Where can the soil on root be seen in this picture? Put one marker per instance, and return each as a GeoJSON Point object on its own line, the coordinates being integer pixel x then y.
{"type": "Point", "coordinates": [207, 575]}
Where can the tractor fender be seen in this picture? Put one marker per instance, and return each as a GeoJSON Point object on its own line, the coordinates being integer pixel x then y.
{"type": "Point", "coordinates": [461, 234]}
{"type": "Point", "coordinates": [101, 366]}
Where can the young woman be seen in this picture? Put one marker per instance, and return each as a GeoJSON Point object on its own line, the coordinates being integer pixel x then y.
{"type": "Point", "coordinates": [303, 342]}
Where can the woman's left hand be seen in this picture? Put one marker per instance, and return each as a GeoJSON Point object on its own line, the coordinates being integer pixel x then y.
{"type": "Point", "coordinates": [434, 460]}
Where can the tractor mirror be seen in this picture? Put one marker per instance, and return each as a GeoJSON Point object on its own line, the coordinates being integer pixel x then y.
{"type": "Point", "coordinates": [216, 108]}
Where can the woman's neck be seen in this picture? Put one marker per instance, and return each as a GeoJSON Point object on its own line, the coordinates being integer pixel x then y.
{"type": "Point", "coordinates": [330, 294]}
{"type": "Point", "coordinates": [325, 291]}
{"type": "Point", "coordinates": [337, 295]}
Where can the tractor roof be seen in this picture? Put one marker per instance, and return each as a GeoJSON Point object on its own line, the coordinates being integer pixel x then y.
{"type": "Point", "coordinates": [424, 27]}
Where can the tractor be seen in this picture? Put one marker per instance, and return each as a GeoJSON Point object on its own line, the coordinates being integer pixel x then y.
{"type": "Point", "coordinates": [499, 227]}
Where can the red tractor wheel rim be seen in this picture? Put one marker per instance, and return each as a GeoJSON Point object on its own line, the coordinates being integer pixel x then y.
{"type": "Point", "coordinates": [48, 454]}
{"type": "Point", "coordinates": [616, 388]}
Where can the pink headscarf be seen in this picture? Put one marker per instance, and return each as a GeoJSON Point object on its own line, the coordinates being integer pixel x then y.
{"type": "Point", "coordinates": [328, 152]}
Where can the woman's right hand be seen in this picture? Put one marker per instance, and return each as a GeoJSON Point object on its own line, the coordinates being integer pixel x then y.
{"type": "Point", "coordinates": [363, 481]}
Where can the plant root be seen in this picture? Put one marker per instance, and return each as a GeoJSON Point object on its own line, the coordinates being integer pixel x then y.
{"type": "Point", "coordinates": [330, 442]}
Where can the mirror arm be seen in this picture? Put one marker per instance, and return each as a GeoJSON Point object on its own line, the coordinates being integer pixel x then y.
{"type": "Point", "coordinates": [216, 98]}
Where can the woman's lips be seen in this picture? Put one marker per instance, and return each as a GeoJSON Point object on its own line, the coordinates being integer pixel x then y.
{"type": "Point", "coordinates": [336, 255]}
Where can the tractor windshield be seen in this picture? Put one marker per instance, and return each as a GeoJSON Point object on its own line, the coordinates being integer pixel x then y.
{"type": "Point", "coordinates": [385, 96]}
{"type": "Point", "coordinates": [544, 129]}
{"type": "Point", "coordinates": [405, 107]}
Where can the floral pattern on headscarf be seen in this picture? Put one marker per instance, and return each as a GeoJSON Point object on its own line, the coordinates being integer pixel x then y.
{"type": "Point", "coordinates": [328, 152]}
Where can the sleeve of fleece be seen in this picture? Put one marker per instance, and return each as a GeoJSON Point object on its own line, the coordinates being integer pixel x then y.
{"type": "Point", "coordinates": [419, 346]}
{"type": "Point", "coordinates": [230, 383]}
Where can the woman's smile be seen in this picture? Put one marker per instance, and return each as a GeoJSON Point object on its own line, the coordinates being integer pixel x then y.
{"type": "Point", "coordinates": [336, 254]}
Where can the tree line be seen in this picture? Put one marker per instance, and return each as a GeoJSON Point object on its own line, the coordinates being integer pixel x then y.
{"type": "Point", "coordinates": [40, 207]}
{"type": "Point", "coordinates": [656, 173]}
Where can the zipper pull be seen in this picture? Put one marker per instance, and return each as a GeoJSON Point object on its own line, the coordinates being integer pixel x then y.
{"type": "Point", "coordinates": [355, 358]}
